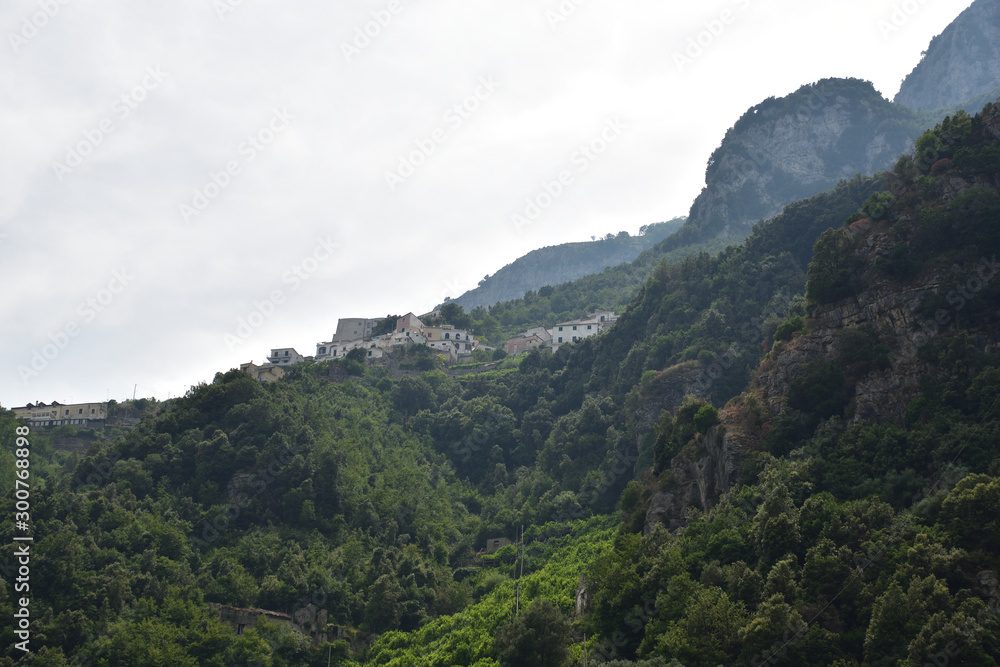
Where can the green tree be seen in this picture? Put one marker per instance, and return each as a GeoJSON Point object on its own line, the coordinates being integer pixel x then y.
{"type": "Point", "coordinates": [708, 634]}
{"type": "Point", "coordinates": [831, 269]}
{"type": "Point", "coordinates": [887, 637]}
{"type": "Point", "coordinates": [970, 511]}
{"type": "Point", "coordinates": [535, 638]}
{"type": "Point", "coordinates": [775, 528]}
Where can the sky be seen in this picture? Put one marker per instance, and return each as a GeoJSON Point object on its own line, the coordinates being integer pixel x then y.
{"type": "Point", "coordinates": [186, 185]}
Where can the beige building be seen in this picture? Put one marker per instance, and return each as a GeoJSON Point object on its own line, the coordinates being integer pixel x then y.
{"type": "Point", "coordinates": [524, 343]}
{"type": "Point", "coordinates": [409, 323]}
{"type": "Point", "coordinates": [354, 328]}
{"type": "Point", "coordinates": [265, 373]}
{"type": "Point", "coordinates": [463, 341]}
{"type": "Point", "coordinates": [495, 543]}
{"type": "Point", "coordinates": [57, 414]}
{"type": "Point", "coordinates": [307, 620]}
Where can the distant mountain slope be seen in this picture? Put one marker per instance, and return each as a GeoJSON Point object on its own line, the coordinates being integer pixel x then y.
{"type": "Point", "coordinates": [786, 149]}
{"type": "Point", "coordinates": [562, 263]}
{"type": "Point", "coordinates": [962, 62]}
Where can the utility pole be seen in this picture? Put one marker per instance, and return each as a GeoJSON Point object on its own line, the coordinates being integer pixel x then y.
{"type": "Point", "coordinates": [517, 590]}
{"type": "Point", "coordinates": [522, 550]}
{"type": "Point", "coordinates": [517, 578]}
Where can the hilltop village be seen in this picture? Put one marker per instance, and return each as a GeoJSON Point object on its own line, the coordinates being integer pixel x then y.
{"type": "Point", "coordinates": [451, 343]}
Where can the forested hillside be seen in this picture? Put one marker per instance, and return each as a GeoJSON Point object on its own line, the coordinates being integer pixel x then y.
{"type": "Point", "coordinates": [786, 454]}
{"type": "Point", "coordinates": [563, 263]}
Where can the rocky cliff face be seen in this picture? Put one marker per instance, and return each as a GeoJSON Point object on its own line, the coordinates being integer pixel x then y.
{"type": "Point", "coordinates": [898, 312]}
{"type": "Point", "coordinates": [697, 476]}
{"type": "Point", "coordinates": [961, 63]}
{"type": "Point", "coordinates": [790, 148]}
{"type": "Point", "coordinates": [938, 299]}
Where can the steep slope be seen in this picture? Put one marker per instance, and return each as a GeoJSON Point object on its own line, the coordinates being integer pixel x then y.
{"type": "Point", "coordinates": [780, 151]}
{"type": "Point", "coordinates": [961, 63]}
{"type": "Point", "coordinates": [786, 149]}
{"type": "Point", "coordinates": [554, 265]}
{"type": "Point", "coordinates": [843, 510]}
{"type": "Point", "coordinates": [703, 308]}
{"type": "Point", "coordinates": [921, 272]}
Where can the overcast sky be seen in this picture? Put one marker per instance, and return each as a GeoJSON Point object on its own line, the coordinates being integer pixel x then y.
{"type": "Point", "coordinates": [169, 169]}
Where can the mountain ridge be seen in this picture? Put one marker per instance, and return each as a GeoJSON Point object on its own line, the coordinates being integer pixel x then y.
{"type": "Point", "coordinates": [556, 264]}
{"type": "Point", "coordinates": [962, 63]}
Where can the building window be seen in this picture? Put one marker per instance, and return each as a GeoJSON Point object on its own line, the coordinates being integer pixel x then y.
{"type": "Point", "coordinates": [67, 412]}
{"type": "Point", "coordinates": [589, 327]}
{"type": "Point", "coordinates": [286, 353]}
{"type": "Point", "coordinates": [560, 339]}
{"type": "Point", "coordinates": [239, 628]}
{"type": "Point", "coordinates": [574, 327]}
{"type": "Point", "coordinates": [322, 350]}
{"type": "Point", "coordinates": [560, 329]}
{"type": "Point", "coordinates": [80, 412]}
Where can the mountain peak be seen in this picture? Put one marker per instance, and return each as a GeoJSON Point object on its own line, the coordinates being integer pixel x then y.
{"type": "Point", "coordinates": [961, 63]}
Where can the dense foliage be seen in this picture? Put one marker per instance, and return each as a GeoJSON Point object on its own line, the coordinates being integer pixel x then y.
{"type": "Point", "coordinates": [371, 491]}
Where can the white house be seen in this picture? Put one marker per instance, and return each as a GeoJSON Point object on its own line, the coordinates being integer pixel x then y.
{"type": "Point", "coordinates": [575, 330]}
{"type": "Point", "coordinates": [408, 338]}
{"type": "Point", "coordinates": [285, 356]}
{"type": "Point", "coordinates": [463, 341]}
{"type": "Point", "coordinates": [445, 348]}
